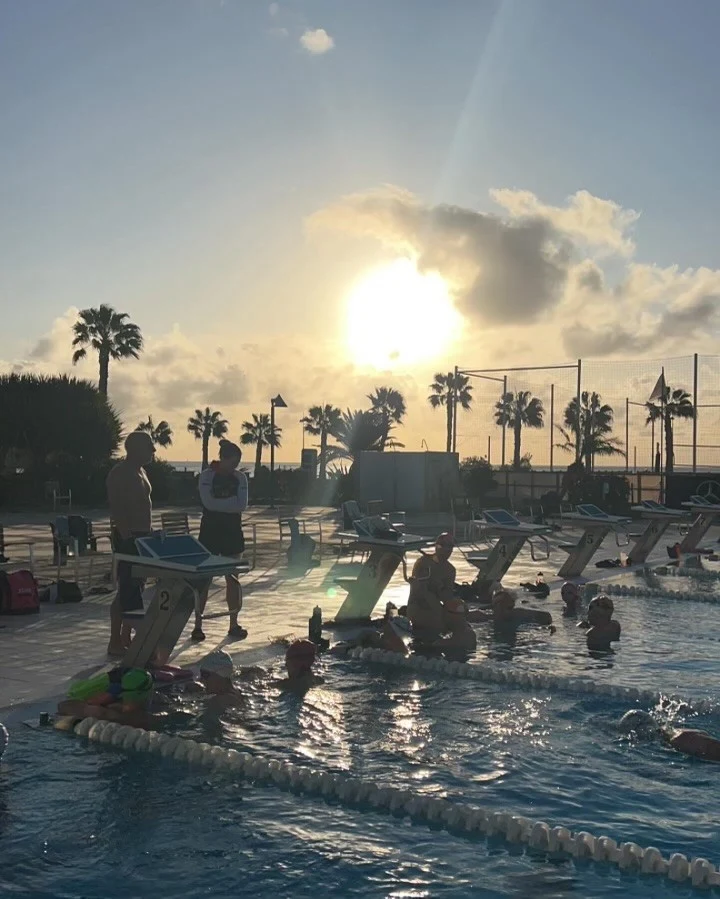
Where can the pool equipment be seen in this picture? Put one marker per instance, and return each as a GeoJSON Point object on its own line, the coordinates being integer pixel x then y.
{"type": "Point", "coordinates": [707, 513]}
{"type": "Point", "coordinates": [512, 677]}
{"type": "Point", "coordinates": [658, 518]}
{"type": "Point", "coordinates": [182, 566]}
{"type": "Point", "coordinates": [511, 534]}
{"type": "Point", "coordinates": [654, 593]}
{"type": "Point", "coordinates": [456, 817]}
{"type": "Point", "coordinates": [596, 525]}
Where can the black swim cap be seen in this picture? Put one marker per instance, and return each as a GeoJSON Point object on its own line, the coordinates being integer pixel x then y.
{"type": "Point", "coordinates": [230, 450]}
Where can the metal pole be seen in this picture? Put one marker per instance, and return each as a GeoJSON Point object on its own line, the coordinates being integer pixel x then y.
{"type": "Point", "coordinates": [272, 454]}
{"type": "Point", "coordinates": [663, 467]}
{"type": "Point", "coordinates": [627, 433]}
{"type": "Point", "coordinates": [552, 422]}
{"type": "Point", "coordinates": [652, 446]}
{"type": "Point", "coordinates": [488, 455]}
{"type": "Point", "coordinates": [502, 454]}
{"type": "Point", "coordinates": [454, 411]}
{"type": "Point", "coordinates": [579, 393]}
{"type": "Point", "coordinates": [695, 408]}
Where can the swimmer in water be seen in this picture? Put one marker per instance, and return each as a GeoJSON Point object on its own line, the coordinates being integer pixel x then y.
{"type": "Point", "coordinates": [394, 635]}
{"type": "Point", "coordinates": [695, 743]}
{"type": "Point", "coordinates": [570, 595]}
{"type": "Point", "coordinates": [215, 681]}
{"type": "Point", "coordinates": [504, 613]}
{"type": "Point", "coordinates": [602, 629]}
{"type": "Point", "coordinates": [539, 588]}
{"type": "Point", "coordinates": [431, 584]}
{"type": "Point", "coordinates": [459, 634]}
{"type": "Point", "coordinates": [299, 659]}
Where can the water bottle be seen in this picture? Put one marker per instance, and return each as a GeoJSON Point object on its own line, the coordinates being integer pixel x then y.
{"type": "Point", "coordinates": [540, 579]}
{"type": "Point", "coordinates": [315, 626]}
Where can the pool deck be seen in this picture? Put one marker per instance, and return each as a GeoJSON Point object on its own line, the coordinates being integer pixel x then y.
{"type": "Point", "coordinates": [41, 654]}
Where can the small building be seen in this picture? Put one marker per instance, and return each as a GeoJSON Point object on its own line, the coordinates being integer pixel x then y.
{"type": "Point", "coordinates": [409, 482]}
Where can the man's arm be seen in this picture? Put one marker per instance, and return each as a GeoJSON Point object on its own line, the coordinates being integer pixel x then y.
{"type": "Point", "coordinates": [237, 503]}
{"type": "Point", "coordinates": [117, 494]}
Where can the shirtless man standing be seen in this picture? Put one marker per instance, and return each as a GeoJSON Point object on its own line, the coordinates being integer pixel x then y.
{"type": "Point", "coordinates": [431, 585]}
{"type": "Point", "coordinates": [129, 498]}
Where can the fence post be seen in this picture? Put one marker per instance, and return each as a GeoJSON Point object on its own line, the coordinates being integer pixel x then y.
{"type": "Point", "coordinates": [695, 412]}
{"type": "Point", "coordinates": [579, 428]}
{"type": "Point", "coordinates": [502, 454]}
{"type": "Point", "coordinates": [552, 422]}
{"type": "Point", "coordinates": [627, 433]}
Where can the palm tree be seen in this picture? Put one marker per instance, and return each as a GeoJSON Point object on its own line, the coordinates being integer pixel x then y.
{"type": "Point", "coordinates": [675, 404]}
{"type": "Point", "coordinates": [357, 432]}
{"type": "Point", "coordinates": [594, 425]}
{"type": "Point", "coordinates": [449, 390]}
{"type": "Point", "coordinates": [161, 433]}
{"type": "Point", "coordinates": [516, 411]}
{"type": "Point", "coordinates": [322, 421]}
{"type": "Point", "coordinates": [390, 406]}
{"type": "Point", "coordinates": [206, 424]}
{"type": "Point", "coordinates": [110, 334]}
{"type": "Point", "coordinates": [259, 431]}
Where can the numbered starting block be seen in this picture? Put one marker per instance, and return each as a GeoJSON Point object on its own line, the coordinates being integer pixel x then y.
{"type": "Point", "coordinates": [596, 525]}
{"type": "Point", "coordinates": [181, 566]}
{"type": "Point", "coordinates": [658, 518]}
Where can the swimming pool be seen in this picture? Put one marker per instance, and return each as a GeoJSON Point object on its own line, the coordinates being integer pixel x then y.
{"type": "Point", "coordinates": [75, 816]}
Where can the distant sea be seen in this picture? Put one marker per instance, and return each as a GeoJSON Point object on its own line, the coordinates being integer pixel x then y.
{"type": "Point", "coordinates": [196, 467]}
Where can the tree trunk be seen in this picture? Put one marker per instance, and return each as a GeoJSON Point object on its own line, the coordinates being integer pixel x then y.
{"type": "Point", "coordinates": [517, 434]}
{"type": "Point", "coordinates": [385, 431]}
{"type": "Point", "coordinates": [449, 410]}
{"type": "Point", "coordinates": [669, 448]}
{"type": "Point", "coordinates": [323, 454]}
{"type": "Point", "coordinates": [104, 372]}
{"type": "Point", "coordinates": [205, 446]}
{"type": "Point", "coordinates": [258, 456]}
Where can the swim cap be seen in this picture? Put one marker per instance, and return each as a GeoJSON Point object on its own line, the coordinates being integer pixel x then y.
{"type": "Point", "coordinates": [503, 597]}
{"type": "Point", "coordinates": [218, 662]}
{"type": "Point", "coordinates": [569, 591]}
{"type": "Point", "coordinates": [229, 450]}
{"type": "Point", "coordinates": [446, 538]}
{"type": "Point", "coordinates": [135, 685]}
{"type": "Point", "coordinates": [638, 721]}
{"type": "Point", "coordinates": [4, 739]}
{"type": "Point", "coordinates": [301, 650]}
{"type": "Point", "coordinates": [602, 602]}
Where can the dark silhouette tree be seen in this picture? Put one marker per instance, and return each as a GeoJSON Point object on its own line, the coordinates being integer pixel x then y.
{"type": "Point", "coordinates": [390, 405]}
{"type": "Point", "coordinates": [594, 423]}
{"type": "Point", "coordinates": [323, 422]}
{"type": "Point", "coordinates": [259, 433]}
{"type": "Point", "coordinates": [205, 424]}
{"type": "Point", "coordinates": [161, 433]}
{"type": "Point", "coordinates": [450, 391]}
{"type": "Point", "coordinates": [110, 334]}
{"type": "Point", "coordinates": [517, 411]}
{"type": "Point", "coordinates": [676, 403]}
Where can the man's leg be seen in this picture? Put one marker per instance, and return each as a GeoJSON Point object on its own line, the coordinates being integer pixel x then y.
{"type": "Point", "coordinates": [202, 590]}
{"type": "Point", "coordinates": [124, 600]}
{"type": "Point", "coordinates": [233, 596]}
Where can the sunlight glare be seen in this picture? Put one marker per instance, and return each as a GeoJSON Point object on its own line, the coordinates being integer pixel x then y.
{"type": "Point", "coordinates": [397, 316]}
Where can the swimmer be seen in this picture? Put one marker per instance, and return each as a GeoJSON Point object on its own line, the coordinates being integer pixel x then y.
{"type": "Point", "coordinates": [299, 659]}
{"type": "Point", "coordinates": [602, 629]}
{"type": "Point", "coordinates": [570, 595]}
{"type": "Point", "coordinates": [458, 632]}
{"type": "Point", "coordinates": [432, 582]}
{"type": "Point", "coordinates": [504, 613]}
{"type": "Point", "coordinates": [695, 743]}
{"type": "Point", "coordinates": [121, 695]}
{"type": "Point", "coordinates": [216, 673]}
{"type": "Point", "coordinates": [539, 588]}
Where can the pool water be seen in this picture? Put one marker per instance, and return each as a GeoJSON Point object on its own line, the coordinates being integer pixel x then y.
{"type": "Point", "coordinates": [79, 820]}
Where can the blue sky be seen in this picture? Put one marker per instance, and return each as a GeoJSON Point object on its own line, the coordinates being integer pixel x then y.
{"type": "Point", "coordinates": [162, 155]}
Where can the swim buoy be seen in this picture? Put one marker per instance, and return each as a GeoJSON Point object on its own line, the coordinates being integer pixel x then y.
{"type": "Point", "coordinates": [119, 685]}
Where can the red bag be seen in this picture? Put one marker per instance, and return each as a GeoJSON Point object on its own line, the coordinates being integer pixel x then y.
{"type": "Point", "coordinates": [18, 593]}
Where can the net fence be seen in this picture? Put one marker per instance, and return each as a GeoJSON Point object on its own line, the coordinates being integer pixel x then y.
{"type": "Point", "coordinates": [618, 393]}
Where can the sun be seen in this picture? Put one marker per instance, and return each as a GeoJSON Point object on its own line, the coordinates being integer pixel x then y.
{"type": "Point", "coordinates": [398, 316]}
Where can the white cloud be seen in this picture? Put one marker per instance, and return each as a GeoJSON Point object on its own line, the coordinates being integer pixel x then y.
{"type": "Point", "coordinates": [274, 9]}
{"type": "Point", "coordinates": [586, 219]}
{"type": "Point", "coordinates": [316, 41]}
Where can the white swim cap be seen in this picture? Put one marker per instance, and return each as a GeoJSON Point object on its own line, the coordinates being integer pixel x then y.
{"type": "Point", "coordinates": [4, 739]}
{"type": "Point", "coordinates": [218, 662]}
{"type": "Point", "coordinates": [638, 721]}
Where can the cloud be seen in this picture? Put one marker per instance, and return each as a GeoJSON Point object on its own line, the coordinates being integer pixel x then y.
{"type": "Point", "coordinates": [585, 219]}
{"type": "Point", "coordinates": [316, 41]}
{"type": "Point", "coordinates": [502, 271]}
{"type": "Point", "coordinates": [274, 9]}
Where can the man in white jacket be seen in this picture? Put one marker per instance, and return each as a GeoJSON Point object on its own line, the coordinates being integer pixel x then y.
{"type": "Point", "coordinates": [224, 496]}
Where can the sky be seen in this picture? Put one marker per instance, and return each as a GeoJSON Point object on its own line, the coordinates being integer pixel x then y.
{"type": "Point", "coordinates": [228, 172]}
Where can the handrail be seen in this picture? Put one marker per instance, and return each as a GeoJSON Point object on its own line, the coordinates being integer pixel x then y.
{"type": "Point", "coordinates": [545, 540]}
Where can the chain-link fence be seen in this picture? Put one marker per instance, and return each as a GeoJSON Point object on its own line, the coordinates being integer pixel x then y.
{"type": "Point", "coordinates": [618, 429]}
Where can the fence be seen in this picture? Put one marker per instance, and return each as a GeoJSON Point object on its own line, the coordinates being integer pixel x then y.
{"type": "Point", "coordinates": [619, 419]}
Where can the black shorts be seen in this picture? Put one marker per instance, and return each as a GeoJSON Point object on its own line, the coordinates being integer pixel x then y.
{"type": "Point", "coordinates": [222, 538]}
{"type": "Point", "coordinates": [129, 591]}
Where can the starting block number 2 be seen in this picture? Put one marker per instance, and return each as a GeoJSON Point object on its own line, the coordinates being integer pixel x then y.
{"type": "Point", "coordinates": [164, 600]}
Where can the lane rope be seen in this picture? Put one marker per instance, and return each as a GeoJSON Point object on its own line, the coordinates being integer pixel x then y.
{"type": "Point", "coordinates": [456, 817]}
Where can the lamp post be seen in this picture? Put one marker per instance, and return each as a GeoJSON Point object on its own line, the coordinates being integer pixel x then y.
{"type": "Point", "coordinates": [277, 402]}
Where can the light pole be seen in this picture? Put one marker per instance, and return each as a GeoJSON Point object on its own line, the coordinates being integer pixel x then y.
{"type": "Point", "coordinates": [277, 402]}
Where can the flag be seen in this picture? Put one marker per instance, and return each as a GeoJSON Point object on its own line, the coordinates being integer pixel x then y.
{"type": "Point", "coordinates": [659, 389]}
